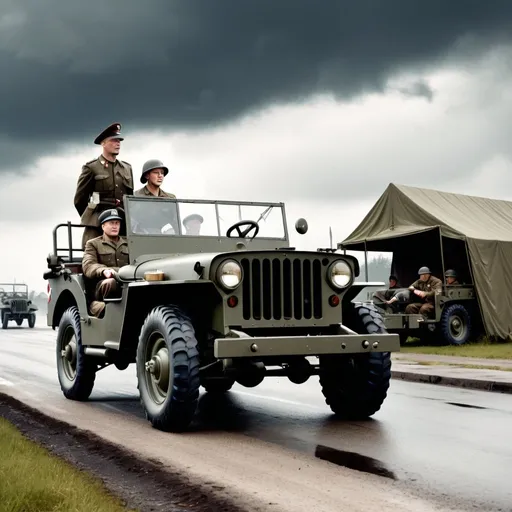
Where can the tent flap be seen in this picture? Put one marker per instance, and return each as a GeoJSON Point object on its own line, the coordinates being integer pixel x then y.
{"type": "Point", "coordinates": [485, 224]}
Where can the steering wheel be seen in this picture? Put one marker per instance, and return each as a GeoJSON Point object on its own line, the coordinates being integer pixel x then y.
{"type": "Point", "coordinates": [243, 234]}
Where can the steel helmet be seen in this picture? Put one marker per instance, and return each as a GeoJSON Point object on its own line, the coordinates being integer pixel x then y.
{"type": "Point", "coordinates": [149, 166]}
{"type": "Point", "coordinates": [450, 273]}
{"type": "Point", "coordinates": [424, 270]}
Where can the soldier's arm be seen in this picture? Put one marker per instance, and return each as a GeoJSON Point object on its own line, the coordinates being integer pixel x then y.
{"type": "Point", "coordinates": [90, 265]}
{"type": "Point", "coordinates": [84, 188]}
{"type": "Point", "coordinates": [414, 285]}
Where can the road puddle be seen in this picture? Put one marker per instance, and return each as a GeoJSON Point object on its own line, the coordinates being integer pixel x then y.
{"type": "Point", "coordinates": [353, 460]}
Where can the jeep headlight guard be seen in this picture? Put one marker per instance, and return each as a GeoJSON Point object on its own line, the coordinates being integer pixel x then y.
{"type": "Point", "coordinates": [339, 274]}
{"type": "Point", "coordinates": [229, 274]}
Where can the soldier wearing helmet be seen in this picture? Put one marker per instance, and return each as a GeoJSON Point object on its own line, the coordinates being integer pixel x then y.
{"type": "Point", "coordinates": [153, 174]}
{"type": "Point", "coordinates": [451, 277]}
{"type": "Point", "coordinates": [425, 288]}
{"type": "Point", "coordinates": [103, 256]}
{"type": "Point", "coordinates": [103, 182]}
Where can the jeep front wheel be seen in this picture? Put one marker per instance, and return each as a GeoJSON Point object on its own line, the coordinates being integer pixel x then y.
{"type": "Point", "coordinates": [32, 320]}
{"type": "Point", "coordinates": [76, 371]}
{"type": "Point", "coordinates": [168, 369]}
{"type": "Point", "coordinates": [355, 386]}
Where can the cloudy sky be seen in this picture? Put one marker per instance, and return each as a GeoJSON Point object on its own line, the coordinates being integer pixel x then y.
{"type": "Point", "coordinates": [318, 107]}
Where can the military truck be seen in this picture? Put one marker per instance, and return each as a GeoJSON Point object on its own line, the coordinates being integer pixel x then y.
{"type": "Point", "coordinates": [15, 305]}
{"type": "Point", "coordinates": [230, 303]}
{"type": "Point", "coordinates": [444, 232]}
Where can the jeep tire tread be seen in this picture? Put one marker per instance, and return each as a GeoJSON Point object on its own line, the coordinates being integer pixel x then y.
{"type": "Point", "coordinates": [355, 386]}
{"type": "Point", "coordinates": [167, 343]}
{"type": "Point", "coordinates": [77, 387]}
{"type": "Point", "coordinates": [32, 320]}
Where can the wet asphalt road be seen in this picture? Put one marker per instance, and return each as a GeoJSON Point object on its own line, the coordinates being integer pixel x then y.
{"type": "Point", "coordinates": [443, 442]}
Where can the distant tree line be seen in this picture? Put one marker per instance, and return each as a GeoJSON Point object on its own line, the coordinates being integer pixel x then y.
{"type": "Point", "coordinates": [40, 300]}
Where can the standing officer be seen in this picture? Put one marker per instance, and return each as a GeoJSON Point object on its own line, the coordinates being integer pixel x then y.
{"type": "Point", "coordinates": [153, 174]}
{"type": "Point", "coordinates": [103, 257]}
{"type": "Point", "coordinates": [103, 182]}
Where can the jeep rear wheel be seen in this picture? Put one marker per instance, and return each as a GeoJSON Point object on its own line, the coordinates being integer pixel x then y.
{"type": "Point", "coordinates": [455, 324]}
{"type": "Point", "coordinates": [355, 386]}
{"type": "Point", "coordinates": [76, 371]}
{"type": "Point", "coordinates": [221, 385]}
{"type": "Point", "coordinates": [168, 369]}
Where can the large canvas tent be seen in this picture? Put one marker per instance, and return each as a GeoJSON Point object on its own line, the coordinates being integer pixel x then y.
{"type": "Point", "coordinates": [476, 232]}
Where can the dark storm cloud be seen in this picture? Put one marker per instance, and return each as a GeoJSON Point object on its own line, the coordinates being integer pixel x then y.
{"type": "Point", "coordinates": [70, 68]}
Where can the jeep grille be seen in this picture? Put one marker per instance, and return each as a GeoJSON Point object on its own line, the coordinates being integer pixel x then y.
{"type": "Point", "coordinates": [282, 289]}
{"type": "Point", "coordinates": [19, 306]}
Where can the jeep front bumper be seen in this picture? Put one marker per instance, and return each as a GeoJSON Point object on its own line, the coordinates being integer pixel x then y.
{"type": "Point", "coordinates": [224, 348]}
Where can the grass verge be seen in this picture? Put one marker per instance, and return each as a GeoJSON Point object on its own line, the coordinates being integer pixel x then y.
{"type": "Point", "coordinates": [482, 350]}
{"type": "Point", "coordinates": [34, 480]}
{"type": "Point", "coordinates": [470, 366]}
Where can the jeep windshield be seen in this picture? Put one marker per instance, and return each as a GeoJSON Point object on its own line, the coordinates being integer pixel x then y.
{"type": "Point", "coordinates": [171, 217]}
{"type": "Point", "coordinates": [13, 291]}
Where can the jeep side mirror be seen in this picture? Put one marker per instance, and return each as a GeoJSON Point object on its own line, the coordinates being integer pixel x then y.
{"type": "Point", "coordinates": [301, 226]}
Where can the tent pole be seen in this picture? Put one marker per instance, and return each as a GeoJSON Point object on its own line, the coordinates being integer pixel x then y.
{"type": "Point", "coordinates": [442, 252]}
{"type": "Point", "coordinates": [365, 263]}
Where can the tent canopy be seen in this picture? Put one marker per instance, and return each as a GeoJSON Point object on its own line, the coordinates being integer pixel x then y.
{"type": "Point", "coordinates": [485, 225]}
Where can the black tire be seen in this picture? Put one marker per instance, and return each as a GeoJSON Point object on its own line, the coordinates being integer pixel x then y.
{"type": "Point", "coordinates": [5, 321]}
{"type": "Point", "coordinates": [355, 386]}
{"type": "Point", "coordinates": [32, 320]}
{"type": "Point", "coordinates": [218, 385]}
{"type": "Point", "coordinates": [167, 340]}
{"type": "Point", "coordinates": [19, 322]}
{"type": "Point", "coordinates": [76, 371]}
{"type": "Point", "coordinates": [455, 324]}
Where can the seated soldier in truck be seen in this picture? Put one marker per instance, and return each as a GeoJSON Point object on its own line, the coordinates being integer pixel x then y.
{"type": "Point", "coordinates": [425, 288]}
{"type": "Point", "coordinates": [103, 256]}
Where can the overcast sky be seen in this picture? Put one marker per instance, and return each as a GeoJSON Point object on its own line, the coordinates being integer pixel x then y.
{"type": "Point", "coordinates": [255, 100]}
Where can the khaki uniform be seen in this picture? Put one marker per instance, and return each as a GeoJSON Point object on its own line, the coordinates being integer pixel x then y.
{"type": "Point", "coordinates": [102, 253]}
{"type": "Point", "coordinates": [432, 286]}
{"type": "Point", "coordinates": [144, 192]}
{"type": "Point", "coordinates": [111, 180]}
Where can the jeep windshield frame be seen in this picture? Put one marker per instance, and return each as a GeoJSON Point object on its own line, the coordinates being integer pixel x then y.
{"type": "Point", "coordinates": [146, 218]}
{"type": "Point", "coordinates": [14, 290]}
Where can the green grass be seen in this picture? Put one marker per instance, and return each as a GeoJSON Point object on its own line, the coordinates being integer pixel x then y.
{"type": "Point", "coordinates": [33, 480]}
{"type": "Point", "coordinates": [483, 350]}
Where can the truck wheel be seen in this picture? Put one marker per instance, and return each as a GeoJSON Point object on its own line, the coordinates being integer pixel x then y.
{"type": "Point", "coordinates": [168, 369]}
{"type": "Point", "coordinates": [5, 320]}
{"type": "Point", "coordinates": [355, 386]}
{"type": "Point", "coordinates": [75, 370]}
{"type": "Point", "coordinates": [455, 324]}
{"type": "Point", "coordinates": [218, 385]}
{"type": "Point", "coordinates": [32, 320]}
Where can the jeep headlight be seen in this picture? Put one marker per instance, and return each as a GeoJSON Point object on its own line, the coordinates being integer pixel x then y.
{"type": "Point", "coordinates": [229, 274]}
{"type": "Point", "coordinates": [339, 274]}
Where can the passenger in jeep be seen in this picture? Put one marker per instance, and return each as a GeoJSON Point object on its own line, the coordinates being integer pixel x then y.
{"type": "Point", "coordinates": [103, 257]}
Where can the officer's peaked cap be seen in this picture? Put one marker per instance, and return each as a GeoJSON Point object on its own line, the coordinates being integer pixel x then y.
{"type": "Point", "coordinates": [109, 215]}
{"type": "Point", "coordinates": [114, 130]}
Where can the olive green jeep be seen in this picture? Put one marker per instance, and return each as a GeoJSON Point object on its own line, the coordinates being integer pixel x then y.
{"type": "Point", "coordinates": [227, 300]}
{"type": "Point", "coordinates": [15, 305]}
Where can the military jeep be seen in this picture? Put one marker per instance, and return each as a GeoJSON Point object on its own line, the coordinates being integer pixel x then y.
{"type": "Point", "coordinates": [230, 303]}
{"type": "Point", "coordinates": [15, 305]}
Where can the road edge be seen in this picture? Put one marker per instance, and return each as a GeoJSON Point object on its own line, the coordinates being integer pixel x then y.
{"type": "Point", "coordinates": [479, 384]}
{"type": "Point", "coordinates": [185, 494]}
